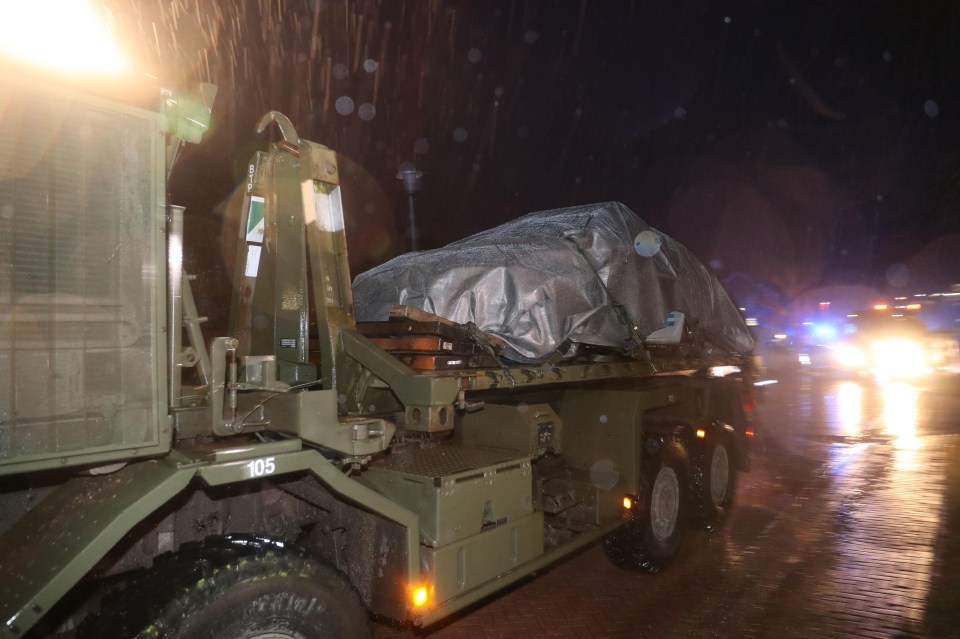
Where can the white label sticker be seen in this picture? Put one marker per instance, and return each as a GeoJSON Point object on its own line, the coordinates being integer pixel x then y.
{"type": "Point", "coordinates": [253, 260]}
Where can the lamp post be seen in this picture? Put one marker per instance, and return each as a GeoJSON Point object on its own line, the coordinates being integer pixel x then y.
{"type": "Point", "coordinates": [412, 181]}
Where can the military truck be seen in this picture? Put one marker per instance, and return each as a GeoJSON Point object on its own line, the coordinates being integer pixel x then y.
{"type": "Point", "coordinates": [303, 471]}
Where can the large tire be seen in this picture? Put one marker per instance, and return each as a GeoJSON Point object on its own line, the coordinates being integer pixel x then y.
{"type": "Point", "coordinates": [650, 540]}
{"type": "Point", "coordinates": [713, 482]}
{"type": "Point", "coordinates": [220, 589]}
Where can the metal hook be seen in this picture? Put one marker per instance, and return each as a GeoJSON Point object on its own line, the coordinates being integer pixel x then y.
{"type": "Point", "coordinates": [283, 122]}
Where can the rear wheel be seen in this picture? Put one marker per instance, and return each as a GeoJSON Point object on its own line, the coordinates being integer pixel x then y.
{"type": "Point", "coordinates": [651, 539]}
{"type": "Point", "coordinates": [713, 482]}
{"type": "Point", "coordinates": [219, 594]}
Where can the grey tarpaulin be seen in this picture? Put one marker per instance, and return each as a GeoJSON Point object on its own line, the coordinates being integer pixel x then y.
{"type": "Point", "coordinates": [536, 282]}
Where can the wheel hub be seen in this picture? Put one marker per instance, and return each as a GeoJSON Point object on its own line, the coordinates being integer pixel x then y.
{"type": "Point", "coordinates": [719, 475]}
{"type": "Point", "coordinates": [665, 503]}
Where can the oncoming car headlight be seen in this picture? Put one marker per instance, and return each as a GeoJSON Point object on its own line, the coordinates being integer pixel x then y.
{"type": "Point", "coordinates": [849, 356]}
{"type": "Point", "coordinates": [898, 358]}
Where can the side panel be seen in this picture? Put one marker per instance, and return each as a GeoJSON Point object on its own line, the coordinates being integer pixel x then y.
{"type": "Point", "coordinates": [82, 280]}
{"type": "Point", "coordinates": [602, 437]}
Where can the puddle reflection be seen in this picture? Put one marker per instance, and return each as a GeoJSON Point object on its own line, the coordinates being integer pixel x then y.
{"type": "Point", "coordinates": [888, 410]}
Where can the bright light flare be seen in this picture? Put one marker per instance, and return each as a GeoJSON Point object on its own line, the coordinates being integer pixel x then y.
{"type": "Point", "coordinates": [627, 502]}
{"type": "Point", "coordinates": [420, 595]}
{"type": "Point", "coordinates": [65, 35]}
{"type": "Point", "coordinates": [899, 359]}
{"type": "Point", "coordinates": [849, 356]}
{"type": "Point", "coordinates": [723, 371]}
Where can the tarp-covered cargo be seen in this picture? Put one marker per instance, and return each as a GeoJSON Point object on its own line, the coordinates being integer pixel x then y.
{"type": "Point", "coordinates": [580, 275]}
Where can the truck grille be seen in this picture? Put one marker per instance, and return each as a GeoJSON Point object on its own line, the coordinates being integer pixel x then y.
{"type": "Point", "coordinates": [79, 275]}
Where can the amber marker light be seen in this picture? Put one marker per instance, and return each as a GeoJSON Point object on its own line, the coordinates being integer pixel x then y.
{"type": "Point", "coordinates": [419, 596]}
{"type": "Point", "coordinates": [627, 502]}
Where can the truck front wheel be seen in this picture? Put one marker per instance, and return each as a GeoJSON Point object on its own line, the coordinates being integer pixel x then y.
{"type": "Point", "coordinates": [651, 539]}
{"type": "Point", "coordinates": [274, 594]}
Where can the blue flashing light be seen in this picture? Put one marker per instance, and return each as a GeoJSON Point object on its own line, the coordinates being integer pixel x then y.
{"type": "Point", "coordinates": [825, 331]}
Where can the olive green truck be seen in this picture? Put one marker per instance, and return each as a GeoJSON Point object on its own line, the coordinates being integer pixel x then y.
{"type": "Point", "coordinates": [305, 472]}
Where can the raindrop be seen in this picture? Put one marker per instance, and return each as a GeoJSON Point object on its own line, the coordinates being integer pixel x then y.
{"type": "Point", "coordinates": [341, 399]}
{"type": "Point", "coordinates": [727, 20]}
{"type": "Point", "coordinates": [879, 197]}
{"type": "Point", "coordinates": [367, 111]}
{"type": "Point", "coordinates": [474, 55]}
{"type": "Point", "coordinates": [476, 167]}
{"type": "Point", "coordinates": [344, 105]}
{"type": "Point", "coordinates": [372, 408]}
{"type": "Point", "coordinates": [340, 71]}
{"type": "Point", "coordinates": [531, 36]}
{"type": "Point", "coordinates": [498, 91]}
{"type": "Point", "coordinates": [578, 112]}
{"type": "Point", "coordinates": [898, 275]}
{"type": "Point", "coordinates": [7, 211]}
{"type": "Point", "coordinates": [460, 134]}
{"type": "Point", "coordinates": [887, 56]}
{"type": "Point", "coordinates": [604, 474]}
{"type": "Point", "coordinates": [523, 407]}
{"type": "Point", "coordinates": [716, 265]}
{"type": "Point", "coordinates": [421, 146]}
{"type": "Point", "coordinates": [603, 419]}
{"type": "Point", "coordinates": [680, 113]}
{"type": "Point", "coordinates": [577, 180]}
{"type": "Point", "coordinates": [301, 57]}
{"type": "Point", "coordinates": [370, 65]}
{"type": "Point", "coordinates": [647, 243]}
{"type": "Point", "coordinates": [406, 166]}
{"type": "Point", "coordinates": [931, 108]}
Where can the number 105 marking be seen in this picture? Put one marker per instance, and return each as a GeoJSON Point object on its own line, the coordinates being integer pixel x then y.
{"type": "Point", "coordinates": [261, 467]}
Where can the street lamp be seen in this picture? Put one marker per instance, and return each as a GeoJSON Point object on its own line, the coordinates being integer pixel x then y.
{"type": "Point", "coordinates": [412, 181]}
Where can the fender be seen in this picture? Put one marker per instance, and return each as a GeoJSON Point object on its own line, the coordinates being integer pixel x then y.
{"type": "Point", "coordinates": [52, 547]}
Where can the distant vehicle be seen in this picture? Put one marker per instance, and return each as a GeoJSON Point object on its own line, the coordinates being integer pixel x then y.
{"type": "Point", "coordinates": [887, 345]}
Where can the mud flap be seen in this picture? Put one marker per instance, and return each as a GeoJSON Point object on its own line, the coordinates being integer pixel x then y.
{"type": "Point", "coordinates": [51, 548]}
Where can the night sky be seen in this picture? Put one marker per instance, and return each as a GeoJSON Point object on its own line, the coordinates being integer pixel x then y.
{"type": "Point", "coordinates": [793, 146]}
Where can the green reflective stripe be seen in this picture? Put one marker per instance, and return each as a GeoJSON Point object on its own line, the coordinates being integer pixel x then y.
{"type": "Point", "coordinates": [255, 224]}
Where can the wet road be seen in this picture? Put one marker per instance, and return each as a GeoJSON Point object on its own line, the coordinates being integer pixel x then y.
{"type": "Point", "coordinates": [848, 526]}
